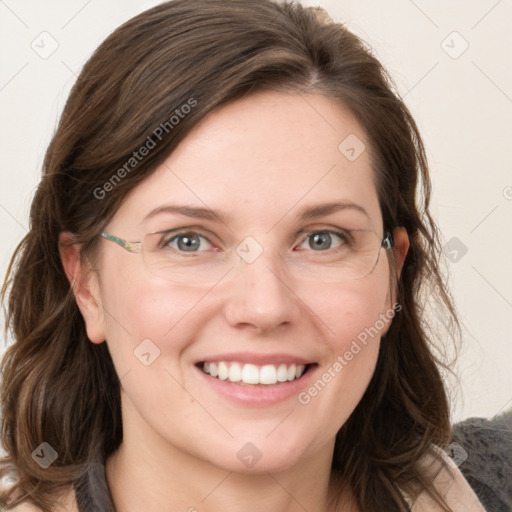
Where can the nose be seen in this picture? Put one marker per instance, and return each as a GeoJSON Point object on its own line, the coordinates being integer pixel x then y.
{"type": "Point", "coordinates": [261, 296]}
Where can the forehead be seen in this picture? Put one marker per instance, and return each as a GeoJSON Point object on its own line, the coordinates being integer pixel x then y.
{"type": "Point", "coordinates": [262, 157]}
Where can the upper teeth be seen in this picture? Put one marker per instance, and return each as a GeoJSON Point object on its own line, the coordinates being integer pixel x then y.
{"type": "Point", "coordinates": [253, 374]}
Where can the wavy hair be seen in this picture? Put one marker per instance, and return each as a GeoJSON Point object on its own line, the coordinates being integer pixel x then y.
{"type": "Point", "coordinates": [60, 388]}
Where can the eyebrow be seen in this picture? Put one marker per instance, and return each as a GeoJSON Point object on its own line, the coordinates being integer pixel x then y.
{"type": "Point", "coordinates": [305, 213]}
{"type": "Point", "coordinates": [187, 211]}
{"type": "Point", "coordinates": [313, 212]}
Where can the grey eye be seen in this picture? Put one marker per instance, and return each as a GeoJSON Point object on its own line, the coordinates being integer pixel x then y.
{"type": "Point", "coordinates": [323, 240]}
{"type": "Point", "coordinates": [188, 242]}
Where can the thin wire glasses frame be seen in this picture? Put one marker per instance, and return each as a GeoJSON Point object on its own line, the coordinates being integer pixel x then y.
{"type": "Point", "coordinates": [387, 242]}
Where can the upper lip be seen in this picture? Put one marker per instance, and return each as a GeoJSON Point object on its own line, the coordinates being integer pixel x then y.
{"type": "Point", "coordinates": [257, 359]}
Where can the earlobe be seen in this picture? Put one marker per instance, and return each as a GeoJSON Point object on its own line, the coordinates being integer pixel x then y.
{"type": "Point", "coordinates": [400, 248]}
{"type": "Point", "coordinates": [85, 286]}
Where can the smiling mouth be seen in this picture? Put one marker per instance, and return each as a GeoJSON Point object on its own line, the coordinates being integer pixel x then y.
{"type": "Point", "coordinates": [251, 374]}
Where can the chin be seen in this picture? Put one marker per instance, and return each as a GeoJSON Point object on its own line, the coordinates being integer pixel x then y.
{"type": "Point", "coordinates": [258, 457]}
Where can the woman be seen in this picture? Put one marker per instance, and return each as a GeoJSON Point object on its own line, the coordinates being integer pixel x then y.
{"type": "Point", "coordinates": [219, 304]}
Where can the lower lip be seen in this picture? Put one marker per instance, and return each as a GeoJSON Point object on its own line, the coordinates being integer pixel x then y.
{"type": "Point", "coordinates": [259, 394]}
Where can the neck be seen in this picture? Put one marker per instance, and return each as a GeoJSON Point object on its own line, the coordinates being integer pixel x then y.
{"type": "Point", "coordinates": [149, 474]}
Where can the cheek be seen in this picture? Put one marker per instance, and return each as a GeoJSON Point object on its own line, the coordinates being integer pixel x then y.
{"type": "Point", "coordinates": [138, 308]}
{"type": "Point", "coordinates": [351, 318]}
{"type": "Point", "coordinates": [348, 311]}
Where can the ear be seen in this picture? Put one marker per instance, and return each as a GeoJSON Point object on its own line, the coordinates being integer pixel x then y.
{"type": "Point", "coordinates": [85, 285]}
{"type": "Point", "coordinates": [400, 248]}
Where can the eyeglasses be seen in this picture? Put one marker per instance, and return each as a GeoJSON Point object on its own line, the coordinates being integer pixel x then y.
{"type": "Point", "coordinates": [175, 256]}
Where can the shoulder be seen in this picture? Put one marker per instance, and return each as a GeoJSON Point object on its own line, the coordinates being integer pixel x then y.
{"type": "Point", "coordinates": [25, 507]}
{"type": "Point", "coordinates": [450, 484]}
{"type": "Point", "coordinates": [489, 443]}
{"type": "Point", "coordinates": [66, 503]}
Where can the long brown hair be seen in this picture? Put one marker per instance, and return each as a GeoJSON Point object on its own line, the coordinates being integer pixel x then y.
{"type": "Point", "coordinates": [60, 388]}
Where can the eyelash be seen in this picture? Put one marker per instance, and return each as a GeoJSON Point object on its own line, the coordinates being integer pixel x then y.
{"type": "Point", "coordinates": [343, 235]}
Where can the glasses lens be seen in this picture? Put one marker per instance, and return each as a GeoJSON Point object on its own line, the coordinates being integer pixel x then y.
{"type": "Point", "coordinates": [179, 258]}
{"type": "Point", "coordinates": [353, 257]}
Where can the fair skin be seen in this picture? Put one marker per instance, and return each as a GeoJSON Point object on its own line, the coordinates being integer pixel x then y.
{"type": "Point", "coordinates": [258, 161]}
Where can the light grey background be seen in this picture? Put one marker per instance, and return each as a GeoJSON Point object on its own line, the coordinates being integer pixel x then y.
{"type": "Point", "coordinates": [460, 97]}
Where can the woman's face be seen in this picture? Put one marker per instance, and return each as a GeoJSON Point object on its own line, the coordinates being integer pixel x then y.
{"type": "Point", "coordinates": [260, 163]}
